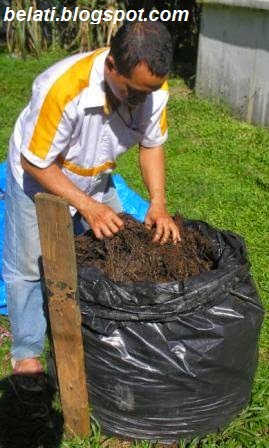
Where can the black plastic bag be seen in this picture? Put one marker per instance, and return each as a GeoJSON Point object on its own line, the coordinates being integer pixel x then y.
{"type": "Point", "coordinates": [175, 360]}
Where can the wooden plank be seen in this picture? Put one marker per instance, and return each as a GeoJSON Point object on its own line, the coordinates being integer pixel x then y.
{"type": "Point", "coordinates": [59, 263]}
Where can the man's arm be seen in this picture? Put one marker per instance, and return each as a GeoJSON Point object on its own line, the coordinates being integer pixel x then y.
{"type": "Point", "coordinates": [153, 171]}
{"type": "Point", "coordinates": [102, 219]}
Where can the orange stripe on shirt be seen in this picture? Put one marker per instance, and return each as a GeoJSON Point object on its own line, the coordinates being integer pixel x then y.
{"type": "Point", "coordinates": [64, 90]}
{"type": "Point", "coordinates": [165, 86]}
{"type": "Point", "coordinates": [86, 171]}
{"type": "Point", "coordinates": [163, 121]}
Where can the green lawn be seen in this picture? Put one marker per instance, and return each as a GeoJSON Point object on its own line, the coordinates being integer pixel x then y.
{"type": "Point", "coordinates": [217, 171]}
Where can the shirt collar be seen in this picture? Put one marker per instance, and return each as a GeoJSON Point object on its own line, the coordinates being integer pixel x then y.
{"type": "Point", "coordinates": [96, 96]}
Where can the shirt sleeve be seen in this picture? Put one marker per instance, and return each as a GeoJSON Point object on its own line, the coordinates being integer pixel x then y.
{"type": "Point", "coordinates": [48, 125]}
{"type": "Point", "coordinates": [155, 130]}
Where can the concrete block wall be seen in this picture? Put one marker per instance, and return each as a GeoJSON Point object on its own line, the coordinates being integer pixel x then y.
{"type": "Point", "coordinates": [233, 56]}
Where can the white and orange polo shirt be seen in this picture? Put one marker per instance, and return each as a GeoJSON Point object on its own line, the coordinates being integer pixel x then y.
{"type": "Point", "coordinates": [67, 121]}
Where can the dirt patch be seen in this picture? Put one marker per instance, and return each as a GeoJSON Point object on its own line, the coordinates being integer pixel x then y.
{"type": "Point", "coordinates": [132, 256]}
{"type": "Point", "coordinates": [182, 90]}
{"type": "Point", "coordinates": [117, 443]}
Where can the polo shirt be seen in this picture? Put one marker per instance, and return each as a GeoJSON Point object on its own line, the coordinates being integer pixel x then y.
{"type": "Point", "coordinates": [67, 121]}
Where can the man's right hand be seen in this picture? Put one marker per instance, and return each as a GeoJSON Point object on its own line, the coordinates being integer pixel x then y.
{"type": "Point", "coordinates": [102, 219]}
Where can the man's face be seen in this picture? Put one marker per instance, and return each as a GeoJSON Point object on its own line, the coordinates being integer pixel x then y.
{"type": "Point", "coordinates": [131, 90]}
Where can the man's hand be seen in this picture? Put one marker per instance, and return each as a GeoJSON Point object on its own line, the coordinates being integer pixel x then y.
{"type": "Point", "coordinates": [165, 225]}
{"type": "Point", "coordinates": [152, 168]}
{"type": "Point", "coordinates": [102, 219]}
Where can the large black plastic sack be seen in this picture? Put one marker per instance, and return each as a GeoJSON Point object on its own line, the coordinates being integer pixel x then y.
{"type": "Point", "coordinates": [175, 360]}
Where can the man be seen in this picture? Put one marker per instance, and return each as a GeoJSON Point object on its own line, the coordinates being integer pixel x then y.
{"type": "Point", "coordinates": [84, 112]}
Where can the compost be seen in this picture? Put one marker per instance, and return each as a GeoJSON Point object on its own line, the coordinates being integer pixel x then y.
{"type": "Point", "coordinates": [131, 255]}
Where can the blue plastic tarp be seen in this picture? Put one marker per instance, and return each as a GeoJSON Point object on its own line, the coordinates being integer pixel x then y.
{"type": "Point", "coordinates": [131, 202]}
{"type": "Point", "coordinates": [3, 308]}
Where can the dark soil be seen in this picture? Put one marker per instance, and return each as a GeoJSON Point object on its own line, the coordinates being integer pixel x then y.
{"type": "Point", "coordinates": [132, 256]}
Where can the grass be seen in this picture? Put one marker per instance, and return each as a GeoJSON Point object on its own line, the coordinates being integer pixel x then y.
{"type": "Point", "coordinates": [217, 171]}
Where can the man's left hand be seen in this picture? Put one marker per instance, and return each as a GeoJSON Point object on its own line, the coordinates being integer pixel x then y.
{"type": "Point", "coordinates": [165, 225]}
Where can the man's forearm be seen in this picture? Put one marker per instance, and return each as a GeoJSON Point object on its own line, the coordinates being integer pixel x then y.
{"type": "Point", "coordinates": [54, 181]}
{"type": "Point", "coordinates": [153, 169]}
{"type": "Point", "coordinates": [152, 166]}
{"type": "Point", "coordinates": [101, 218]}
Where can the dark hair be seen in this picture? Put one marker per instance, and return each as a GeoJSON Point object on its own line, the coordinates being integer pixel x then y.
{"type": "Point", "coordinates": [147, 42]}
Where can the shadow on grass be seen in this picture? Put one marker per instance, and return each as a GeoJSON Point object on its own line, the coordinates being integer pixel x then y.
{"type": "Point", "coordinates": [185, 65]}
{"type": "Point", "coordinates": [27, 417]}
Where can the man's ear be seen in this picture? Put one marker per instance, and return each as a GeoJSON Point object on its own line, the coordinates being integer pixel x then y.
{"type": "Point", "coordinates": [110, 63]}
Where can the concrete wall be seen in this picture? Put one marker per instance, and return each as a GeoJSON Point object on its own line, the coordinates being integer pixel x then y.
{"type": "Point", "coordinates": [233, 56]}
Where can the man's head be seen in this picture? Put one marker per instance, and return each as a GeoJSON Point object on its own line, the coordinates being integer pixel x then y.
{"type": "Point", "coordinates": [139, 60]}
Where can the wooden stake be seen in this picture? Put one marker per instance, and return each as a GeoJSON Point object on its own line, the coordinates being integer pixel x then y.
{"type": "Point", "coordinates": [59, 263]}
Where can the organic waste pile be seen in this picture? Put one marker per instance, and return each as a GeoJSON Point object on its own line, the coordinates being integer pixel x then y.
{"type": "Point", "coordinates": [132, 256]}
